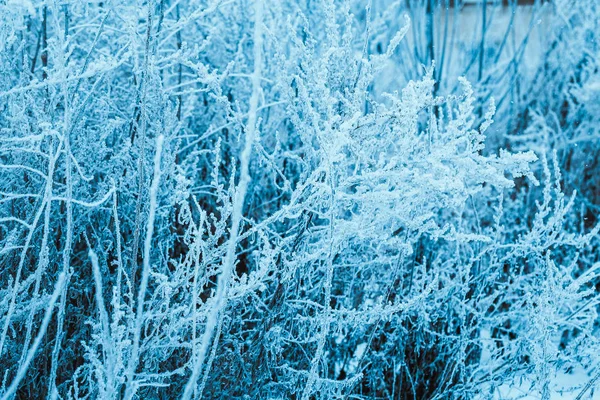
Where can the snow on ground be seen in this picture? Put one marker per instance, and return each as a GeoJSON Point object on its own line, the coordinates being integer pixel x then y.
{"type": "Point", "coordinates": [564, 386]}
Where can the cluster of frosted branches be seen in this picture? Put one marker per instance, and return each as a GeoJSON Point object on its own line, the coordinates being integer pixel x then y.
{"type": "Point", "coordinates": [217, 199]}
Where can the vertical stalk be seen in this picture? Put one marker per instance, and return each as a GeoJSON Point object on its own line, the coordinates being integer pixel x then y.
{"type": "Point", "coordinates": [220, 298]}
{"type": "Point", "coordinates": [139, 318]}
{"type": "Point", "coordinates": [482, 44]}
{"type": "Point", "coordinates": [44, 55]}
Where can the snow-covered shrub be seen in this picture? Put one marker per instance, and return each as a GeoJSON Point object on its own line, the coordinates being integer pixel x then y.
{"type": "Point", "coordinates": [213, 199]}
